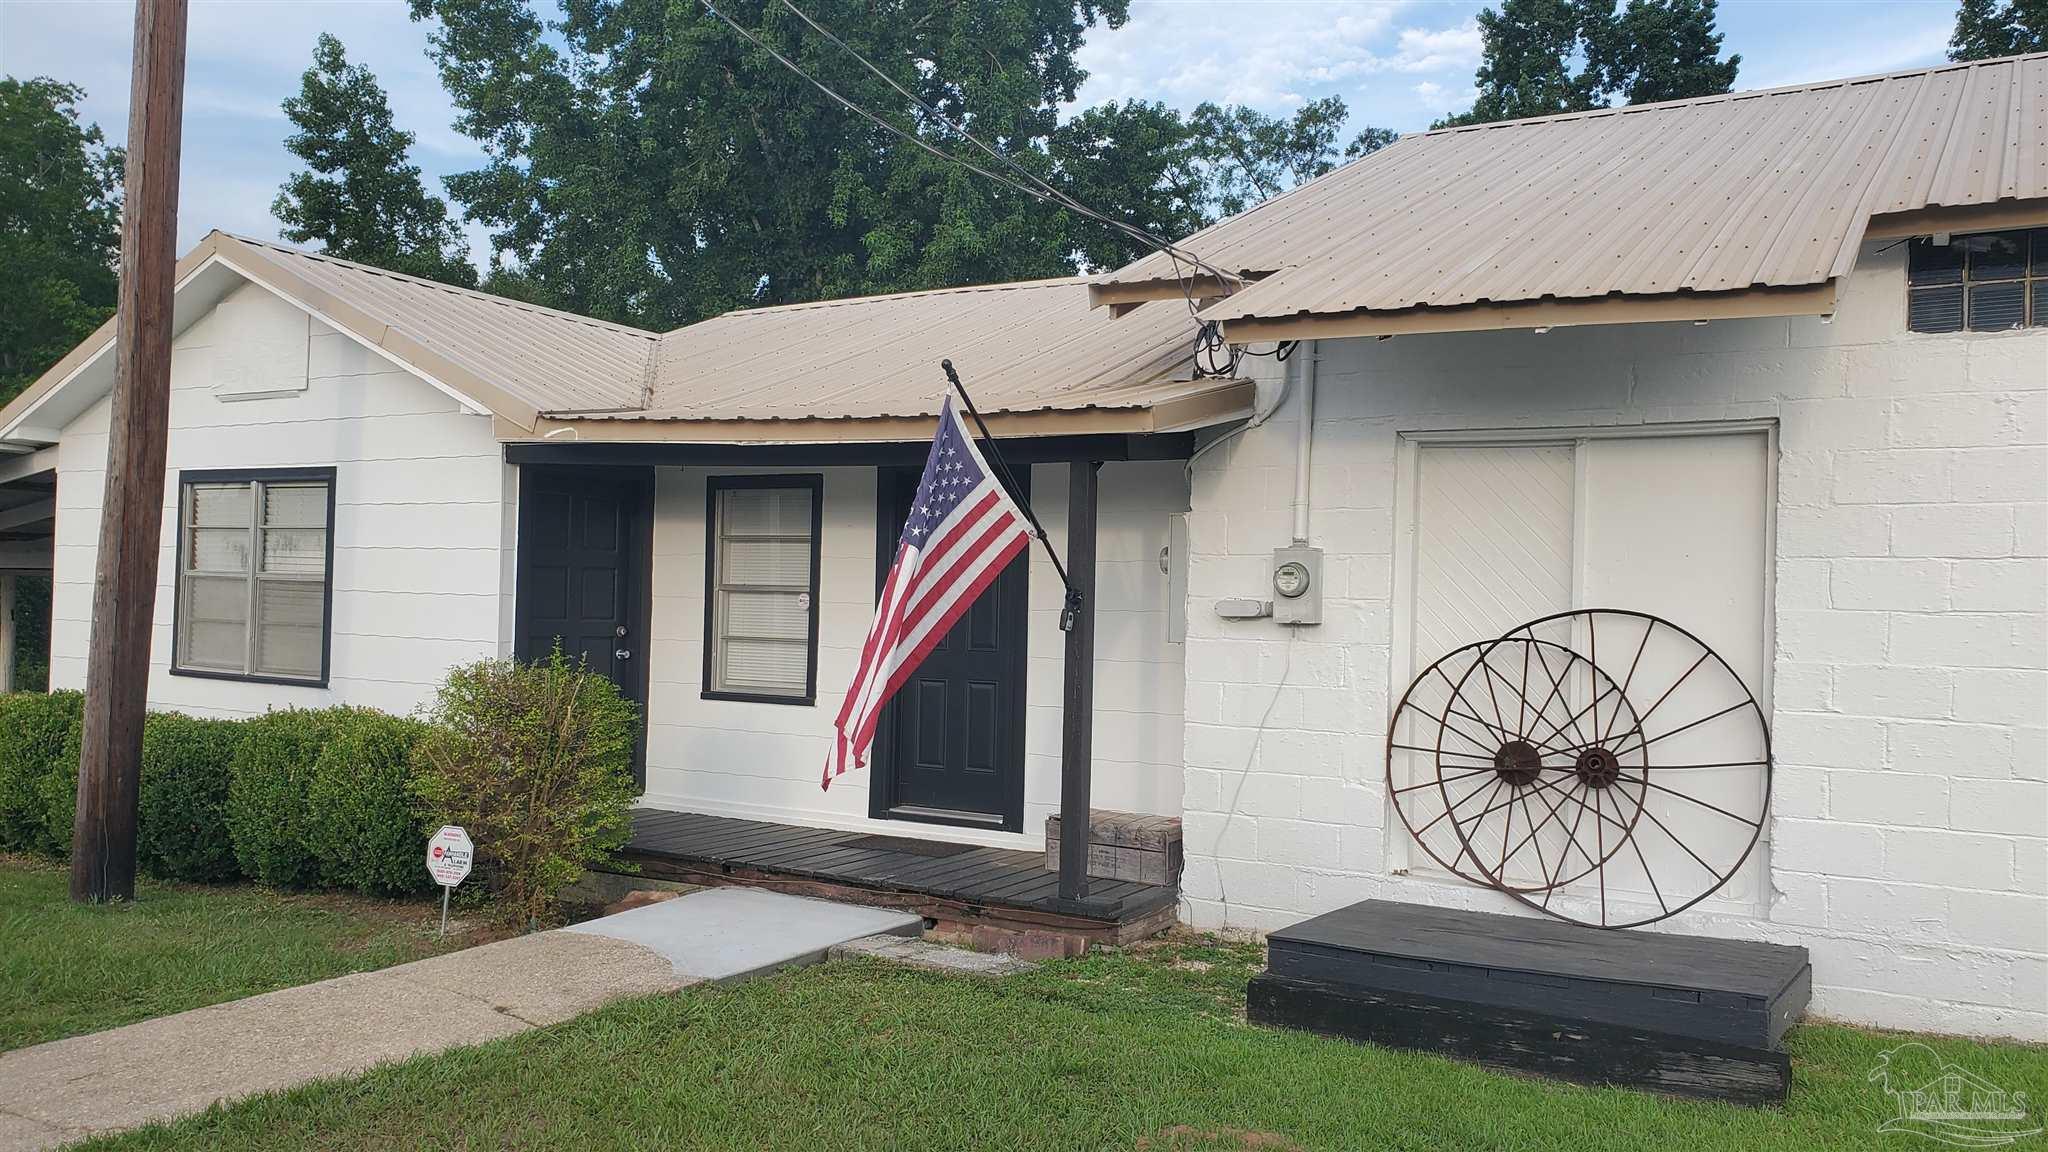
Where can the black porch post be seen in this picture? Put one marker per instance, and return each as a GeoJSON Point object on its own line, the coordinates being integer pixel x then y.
{"type": "Point", "coordinates": [1078, 707]}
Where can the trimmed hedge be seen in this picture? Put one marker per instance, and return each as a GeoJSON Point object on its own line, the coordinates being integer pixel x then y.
{"type": "Point", "coordinates": [35, 729]}
{"type": "Point", "coordinates": [182, 816]}
{"type": "Point", "coordinates": [536, 759]}
{"type": "Point", "coordinates": [268, 781]}
{"type": "Point", "coordinates": [361, 824]}
{"type": "Point", "coordinates": [58, 791]}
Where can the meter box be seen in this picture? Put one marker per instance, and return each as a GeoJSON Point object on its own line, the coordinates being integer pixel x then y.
{"type": "Point", "coordinates": [1298, 585]}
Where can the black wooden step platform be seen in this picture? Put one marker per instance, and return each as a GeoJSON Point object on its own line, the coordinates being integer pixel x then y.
{"type": "Point", "coordinates": [1680, 1014]}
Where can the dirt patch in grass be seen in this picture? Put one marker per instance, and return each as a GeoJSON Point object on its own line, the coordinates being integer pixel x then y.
{"type": "Point", "coordinates": [1185, 1138]}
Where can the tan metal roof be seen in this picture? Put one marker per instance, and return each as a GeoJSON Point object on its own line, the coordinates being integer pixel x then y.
{"type": "Point", "coordinates": [541, 357]}
{"type": "Point", "coordinates": [1725, 193]}
{"type": "Point", "coordinates": [1026, 347]}
{"type": "Point", "coordinates": [1036, 357]}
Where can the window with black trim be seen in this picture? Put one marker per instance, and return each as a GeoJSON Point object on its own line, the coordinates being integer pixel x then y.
{"type": "Point", "coordinates": [761, 588]}
{"type": "Point", "coordinates": [1986, 282]}
{"type": "Point", "coordinates": [255, 574]}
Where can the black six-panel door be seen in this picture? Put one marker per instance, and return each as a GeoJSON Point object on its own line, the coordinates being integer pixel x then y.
{"type": "Point", "coordinates": [581, 550]}
{"type": "Point", "coordinates": [950, 745]}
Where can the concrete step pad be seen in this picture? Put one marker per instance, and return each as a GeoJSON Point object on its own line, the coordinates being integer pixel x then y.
{"type": "Point", "coordinates": [724, 934]}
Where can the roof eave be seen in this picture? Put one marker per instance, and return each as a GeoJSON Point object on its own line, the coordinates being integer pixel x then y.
{"type": "Point", "coordinates": [247, 260]}
{"type": "Point", "coordinates": [1997, 216]}
{"type": "Point", "coordinates": [1802, 300]}
{"type": "Point", "coordinates": [1219, 402]}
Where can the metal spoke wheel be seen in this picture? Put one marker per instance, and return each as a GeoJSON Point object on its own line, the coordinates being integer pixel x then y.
{"type": "Point", "coordinates": [1608, 792]}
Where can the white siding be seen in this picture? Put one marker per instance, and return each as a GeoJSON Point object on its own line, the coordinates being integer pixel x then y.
{"type": "Point", "coordinates": [1908, 843]}
{"type": "Point", "coordinates": [765, 760]}
{"type": "Point", "coordinates": [421, 507]}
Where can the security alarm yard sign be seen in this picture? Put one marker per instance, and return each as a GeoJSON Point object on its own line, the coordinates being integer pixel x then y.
{"type": "Point", "coordinates": [449, 855]}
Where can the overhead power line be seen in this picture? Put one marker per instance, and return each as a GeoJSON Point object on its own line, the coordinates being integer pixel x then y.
{"type": "Point", "coordinates": [1208, 335]}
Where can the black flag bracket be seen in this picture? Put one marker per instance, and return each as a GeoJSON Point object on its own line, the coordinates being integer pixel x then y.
{"type": "Point", "coordinates": [1008, 480]}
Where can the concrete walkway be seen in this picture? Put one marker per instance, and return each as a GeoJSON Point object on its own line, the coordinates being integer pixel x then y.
{"type": "Point", "coordinates": [66, 1090]}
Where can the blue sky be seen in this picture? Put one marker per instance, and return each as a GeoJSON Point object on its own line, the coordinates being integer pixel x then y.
{"type": "Point", "coordinates": [1397, 63]}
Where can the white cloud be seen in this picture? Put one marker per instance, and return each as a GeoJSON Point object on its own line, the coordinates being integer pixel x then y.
{"type": "Point", "coordinates": [1438, 50]}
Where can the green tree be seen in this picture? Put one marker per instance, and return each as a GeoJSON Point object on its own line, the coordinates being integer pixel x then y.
{"type": "Point", "coordinates": [60, 227]}
{"type": "Point", "coordinates": [1139, 158]}
{"type": "Point", "coordinates": [361, 200]}
{"type": "Point", "coordinates": [1368, 141]}
{"type": "Point", "coordinates": [649, 165]}
{"type": "Point", "coordinates": [1545, 57]}
{"type": "Point", "coordinates": [1252, 156]}
{"type": "Point", "coordinates": [1988, 28]}
{"type": "Point", "coordinates": [1661, 50]}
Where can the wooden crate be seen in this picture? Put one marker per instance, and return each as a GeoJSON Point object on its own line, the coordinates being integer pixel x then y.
{"type": "Point", "coordinates": [1124, 846]}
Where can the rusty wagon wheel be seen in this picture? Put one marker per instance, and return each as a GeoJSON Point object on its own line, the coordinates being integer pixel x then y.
{"type": "Point", "coordinates": [1665, 780]}
{"type": "Point", "coordinates": [1489, 736]}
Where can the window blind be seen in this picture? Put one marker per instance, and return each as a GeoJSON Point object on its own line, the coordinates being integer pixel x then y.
{"type": "Point", "coordinates": [764, 577]}
{"type": "Point", "coordinates": [253, 577]}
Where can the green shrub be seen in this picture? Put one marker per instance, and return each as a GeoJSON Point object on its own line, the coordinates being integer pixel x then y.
{"type": "Point", "coordinates": [268, 781]}
{"type": "Point", "coordinates": [182, 831]}
{"type": "Point", "coordinates": [536, 761]}
{"type": "Point", "coordinates": [58, 791]}
{"type": "Point", "coordinates": [34, 731]}
{"type": "Point", "coordinates": [362, 825]}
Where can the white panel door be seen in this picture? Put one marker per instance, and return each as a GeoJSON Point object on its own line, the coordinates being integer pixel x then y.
{"type": "Point", "coordinates": [1493, 532]}
{"type": "Point", "coordinates": [1492, 548]}
{"type": "Point", "coordinates": [1673, 526]}
{"type": "Point", "coordinates": [1676, 526]}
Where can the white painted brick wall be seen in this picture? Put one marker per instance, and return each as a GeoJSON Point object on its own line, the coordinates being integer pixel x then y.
{"type": "Point", "coordinates": [420, 519]}
{"type": "Point", "coordinates": [764, 760]}
{"type": "Point", "coordinates": [1909, 837]}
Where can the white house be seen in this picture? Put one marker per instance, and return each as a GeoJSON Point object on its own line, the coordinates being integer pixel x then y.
{"type": "Point", "coordinates": [1771, 368]}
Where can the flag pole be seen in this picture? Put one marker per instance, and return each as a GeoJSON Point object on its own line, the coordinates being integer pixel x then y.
{"type": "Point", "coordinates": [1010, 485]}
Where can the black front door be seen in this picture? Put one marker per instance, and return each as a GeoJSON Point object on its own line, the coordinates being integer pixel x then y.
{"type": "Point", "coordinates": [582, 553]}
{"type": "Point", "coordinates": [950, 745]}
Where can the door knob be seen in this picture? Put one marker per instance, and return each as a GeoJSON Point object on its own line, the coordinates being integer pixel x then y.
{"type": "Point", "coordinates": [622, 654]}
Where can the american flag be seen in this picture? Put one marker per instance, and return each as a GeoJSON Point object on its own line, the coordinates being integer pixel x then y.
{"type": "Point", "coordinates": [962, 532]}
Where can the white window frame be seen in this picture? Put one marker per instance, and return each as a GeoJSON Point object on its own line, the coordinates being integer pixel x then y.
{"type": "Point", "coordinates": [256, 480]}
{"type": "Point", "coordinates": [716, 587]}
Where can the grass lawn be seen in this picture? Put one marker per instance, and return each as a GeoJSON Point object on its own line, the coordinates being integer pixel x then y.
{"type": "Point", "coordinates": [67, 969]}
{"type": "Point", "coordinates": [1138, 1050]}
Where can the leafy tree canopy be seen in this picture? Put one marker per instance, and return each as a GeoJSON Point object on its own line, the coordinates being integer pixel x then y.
{"type": "Point", "coordinates": [1544, 57]}
{"type": "Point", "coordinates": [650, 166]}
{"type": "Point", "coordinates": [360, 199]}
{"type": "Point", "coordinates": [1987, 28]}
{"type": "Point", "coordinates": [60, 227]}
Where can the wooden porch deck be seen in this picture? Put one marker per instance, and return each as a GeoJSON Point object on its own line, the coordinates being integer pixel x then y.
{"type": "Point", "coordinates": [992, 897]}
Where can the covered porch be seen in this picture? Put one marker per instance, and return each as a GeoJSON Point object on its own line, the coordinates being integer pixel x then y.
{"type": "Point", "coordinates": [949, 817]}
{"type": "Point", "coordinates": [718, 550]}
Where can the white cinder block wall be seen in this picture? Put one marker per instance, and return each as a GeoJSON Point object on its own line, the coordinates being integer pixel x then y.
{"type": "Point", "coordinates": [420, 519]}
{"type": "Point", "coordinates": [1908, 845]}
{"type": "Point", "coordinates": [764, 760]}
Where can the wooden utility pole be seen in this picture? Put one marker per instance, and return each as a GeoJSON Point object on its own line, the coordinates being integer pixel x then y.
{"type": "Point", "coordinates": [131, 514]}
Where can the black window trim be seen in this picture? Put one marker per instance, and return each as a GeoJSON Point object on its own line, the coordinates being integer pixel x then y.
{"type": "Point", "coordinates": [2033, 272]}
{"type": "Point", "coordinates": [713, 485]}
{"type": "Point", "coordinates": [190, 476]}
